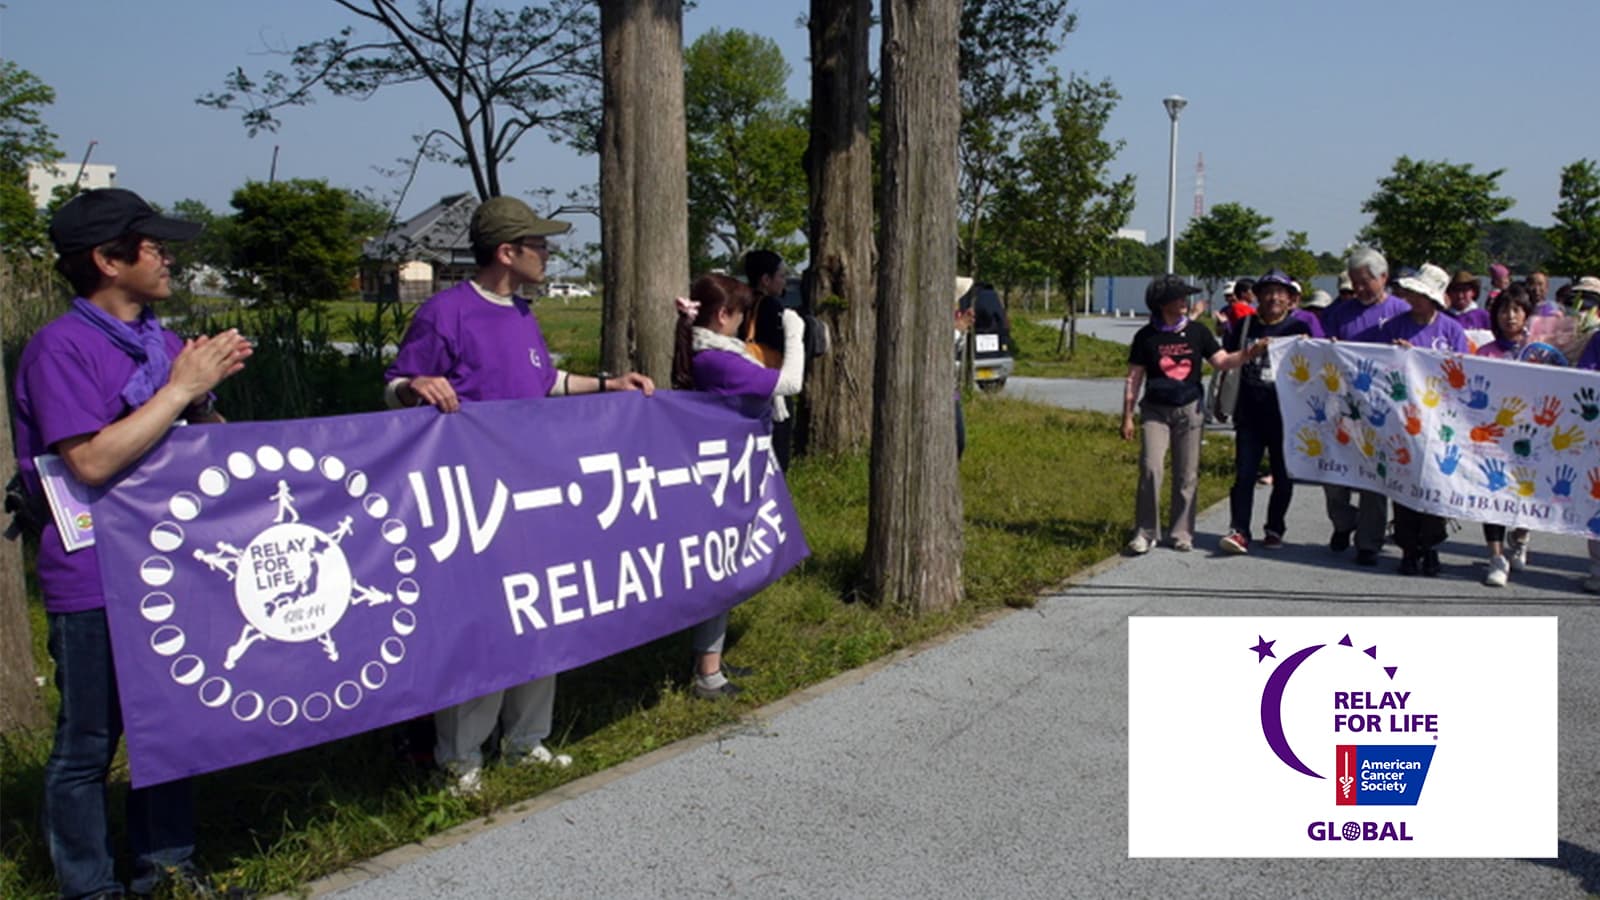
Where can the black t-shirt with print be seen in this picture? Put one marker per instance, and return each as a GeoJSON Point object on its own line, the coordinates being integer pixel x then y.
{"type": "Point", "coordinates": [1258, 390]}
{"type": "Point", "coordinates": [1172, 361]}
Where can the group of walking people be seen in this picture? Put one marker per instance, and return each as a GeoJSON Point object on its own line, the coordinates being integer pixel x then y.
{"type": "Point", "coordinates": [102, 384]}
{"type": "Point", "coordinates": [1426, 308]}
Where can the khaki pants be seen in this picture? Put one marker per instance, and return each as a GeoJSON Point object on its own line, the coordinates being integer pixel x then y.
{"type": "Point", "coordinates": [1161, 427]}
{"type": "Point", "coordinates": [523, 714]}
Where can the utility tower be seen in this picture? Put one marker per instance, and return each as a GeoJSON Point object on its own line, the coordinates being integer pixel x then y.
{"type": "Point", "coordinates": [1200, 187]}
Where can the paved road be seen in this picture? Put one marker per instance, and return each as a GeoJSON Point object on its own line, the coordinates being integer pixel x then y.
{"type": "Point", "coordinates": [995, 764]}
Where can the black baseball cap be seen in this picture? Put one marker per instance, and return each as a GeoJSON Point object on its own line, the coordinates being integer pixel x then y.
{"type": "Point", "coordinates": [95, 217]}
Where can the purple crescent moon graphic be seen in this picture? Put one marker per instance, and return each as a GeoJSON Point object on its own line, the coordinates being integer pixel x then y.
{"type": "Point", "coordinates": [1272, 710]}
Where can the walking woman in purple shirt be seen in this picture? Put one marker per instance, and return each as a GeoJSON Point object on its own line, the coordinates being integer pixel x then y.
{"type": "Point", "coordinates": [710, 357]}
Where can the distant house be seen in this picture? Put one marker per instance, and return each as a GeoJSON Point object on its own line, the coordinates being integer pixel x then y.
{"type": "Point", "coordinates": [423, 255]}
{"type": "Point", "coordinates": [44, 178]}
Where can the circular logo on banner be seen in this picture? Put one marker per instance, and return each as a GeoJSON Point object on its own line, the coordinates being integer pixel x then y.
{"type": "Point", "coordinates": [291, 582]}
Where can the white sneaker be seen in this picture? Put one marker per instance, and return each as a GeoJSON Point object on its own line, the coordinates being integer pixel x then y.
{"type": "Point", "coordinates": [1499, 572]}
{"type": "Point", "coordinates": [1519, 556]}
{"type": "Point", "coordinates": [466, 784]}
{"type": "Point", "coordinates": [1140, 545]}
{"type": "Point", "coordinates": [540, 755]}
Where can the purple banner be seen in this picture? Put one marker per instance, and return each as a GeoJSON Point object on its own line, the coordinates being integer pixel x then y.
{"type": "Point", "coordinates": [275, 585]}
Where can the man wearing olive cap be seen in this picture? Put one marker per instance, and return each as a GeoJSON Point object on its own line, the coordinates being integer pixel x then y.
{"type": "Point", "coordinates": [480, 341]}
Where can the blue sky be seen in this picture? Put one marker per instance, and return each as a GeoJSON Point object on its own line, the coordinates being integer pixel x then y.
{"type": "Point", "coordinates": [1298, 108]}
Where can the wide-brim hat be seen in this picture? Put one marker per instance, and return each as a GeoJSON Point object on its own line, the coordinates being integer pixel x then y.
{"type": "Point", "coordinates": [1319, 299]}
{"type": "Point", "coordinates": [963, 285]}
{"type": "Point", "coordinates": [1464, 276]}
{"type": "Point", "coordinates": [506, 220]}
{"type": "Point", "coordinates": [1164, 289]}
{"type": "Point", "coordinates": [94, 217]}
{"type": "Point", "coordinates": [1345, 284]}
{"type": "Point", "coordinates": [1588, 284]}
{"type": "Point", "coordinates": [1429, 281]}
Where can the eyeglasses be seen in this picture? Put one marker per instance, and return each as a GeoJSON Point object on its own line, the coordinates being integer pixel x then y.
{"type": "Point", "coordinates": [156, 247]}
{"type": "Point", "coordinates": [537, 245]}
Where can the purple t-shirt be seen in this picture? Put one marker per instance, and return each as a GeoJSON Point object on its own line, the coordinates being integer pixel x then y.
{"type": "Point", "coordinates": [486, 350]}
{"type": "Point", "coordinates": [1498, 349]}
{"type": "Point", "coordinates": [728, 374]}
{"type": "Point", "coordinates": [1441, 334]}
{"type": "Point", "coordinates": [1474, 318]}
{"type": "Point", "coordinates": [1312, 322]}
{"type": "Point", "coordinates": [1352, 321]}
{"type": "Point", "coordinates": [69, 383]}
{"type": "Point", "coordinates": [1591, 354]}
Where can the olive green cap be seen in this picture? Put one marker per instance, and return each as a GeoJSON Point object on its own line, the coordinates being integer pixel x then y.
{"type": "Point", "coordinates": [506, 220]}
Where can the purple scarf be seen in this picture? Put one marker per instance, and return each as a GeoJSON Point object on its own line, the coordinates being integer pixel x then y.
{"type": "Point", "coordinates": [143, 340]}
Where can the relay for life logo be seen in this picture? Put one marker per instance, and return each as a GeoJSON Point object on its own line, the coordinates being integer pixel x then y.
{"type": "Point", "coordinates": [1341, 736]}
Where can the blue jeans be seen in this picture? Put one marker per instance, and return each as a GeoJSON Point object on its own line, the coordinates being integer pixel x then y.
{"type": "Point", "coordinates": [160, 818]}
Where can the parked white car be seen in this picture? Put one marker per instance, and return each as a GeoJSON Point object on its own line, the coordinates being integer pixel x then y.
{"type": "Point", "coordinates": [568, 289]}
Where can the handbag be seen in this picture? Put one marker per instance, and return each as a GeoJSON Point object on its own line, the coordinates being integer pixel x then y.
{"type": "Point", "coordinates": [767, 356]}
{"type": "Point", "coordinates": [1226, 395]}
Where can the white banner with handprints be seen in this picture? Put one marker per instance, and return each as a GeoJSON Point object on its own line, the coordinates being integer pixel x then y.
{"type": "Point", "coordinates": [1465, 437]}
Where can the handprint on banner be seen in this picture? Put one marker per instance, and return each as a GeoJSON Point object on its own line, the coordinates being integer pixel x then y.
{"type": "Point", "coordinates": [1485, 434]}
{"type": "Point", "coordinates": [1478, 398]}
{"type": "Point", "coordinates": [1361, 378]}
{"type": "Point", "coordinates": [1310, 441]}
{"type": "Point", "coordinates": [1383, 467]}
{"type": "Point", "coordinates": [1450, 460]}
{"type": "Point", "coordinates": [1399, 451]}
{"type": "Point", "coordinates": [1588, 404]}
{"type": "Point", "coordinates": [1561, 484]}
{"type": "Point", "coordinates": [1522, 440]}
{"type": "Point", "coordinates": [1594, 482]}
{"type": "Point", "coordinates": [1549, 409]}
{"type": "Point", "coordinates": [1319, 408]}
{"type": "Point", "coordinates": [1379, 413]}
{"type": "Point", "coordinates": [1525, 477]}
{"type": "Point", "coordinates": [1454, 374]}
{"type": "Point", "coordinates": [1446, 434]}
{"type": "Point", "coordinates": [1413, 419]}
{"type": "Point", "coordinates": [1300, 368]}
{"type": "Point", "coordinates": [1564, 439]}
{"type": "Point", "coordinates": [1352, 406]}
{"type": "Point", "coordinates": [1509, 408]}
{"type": "Point", "coordinates": [1494, 473]}
{"type": "Point", "coordinates": [1340, 432]}
{"type": "Point", "coordinates": [1398, 389]}
{"type": "Point", "coordinates": [1430, 392]}
{"type": "Point", "coordinates": [1369, 441]}
{"type": "Point", "coordinates": [1330, 377]}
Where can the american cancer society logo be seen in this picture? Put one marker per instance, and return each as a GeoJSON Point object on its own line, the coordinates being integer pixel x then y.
{"type": "Point", "coordinates": [292, 584]}
{"type": "Point", "coordinates": [1353, 737]}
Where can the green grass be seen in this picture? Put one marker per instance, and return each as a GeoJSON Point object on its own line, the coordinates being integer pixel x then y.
{"type": "Point", "coordinates": [1036, 354]}
{"type": "Point", "coordinates": [1047, 492]}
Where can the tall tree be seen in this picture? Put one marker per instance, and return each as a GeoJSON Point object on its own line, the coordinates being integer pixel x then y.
{"type": "Point", "coordinates": [840, 289]}
{"type": "Point", "coordinates": [1575, 237]}
{"type": "Point", "coordinates": [1063, 207]}
{"type": "Point", "coordinates": [914, 539]}
{"type": "Point", "coordinates": [1295, 258]}
{"type": "Point", "coordinates": [747, 186]}
{"type": "Point", "coordinates": [644, 222]}
{"type": "Point", "coordinates": [293, 243]}
{"type": "Point", "coordinates": [1433, 212]}
{"type": "Point", "coordinates": [1127, 256]}
{"type": "Point", "coordinates": [501, 73]}
{"type": "Point", "coordinates": [1004, 84]}
{"type": "Point", "coordinates": [24, 139]}
{"type": "Point", "coordinates": [1222, 243]}
{"type": "Point", "coordinates": [1522, 247]}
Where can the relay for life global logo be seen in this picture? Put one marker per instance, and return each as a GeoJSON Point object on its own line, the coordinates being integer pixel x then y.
{"type": "Point", "coordinates": [1341, 736]}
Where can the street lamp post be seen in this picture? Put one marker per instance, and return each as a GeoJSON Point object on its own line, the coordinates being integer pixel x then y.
{"type": "Point", "coordinates": [1174, 105]}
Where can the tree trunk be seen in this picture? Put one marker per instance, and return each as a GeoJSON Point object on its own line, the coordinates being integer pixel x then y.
{"type": "Point", "coordinates": [20, 707]}
{"type": "Point", "coordinates": [644, 187]}
{"type": "Point", "coordinates": [914, 523]}
{"type": "Point", "coordinates": [839, 166]}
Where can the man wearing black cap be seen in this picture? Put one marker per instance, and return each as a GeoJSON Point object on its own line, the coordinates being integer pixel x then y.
{"type": "Point", "coordinates": [1165, 359]}
{"type": "Point", "coordinates": [480, 341]}
{"type": "Point", "coordinates": [99, 387]}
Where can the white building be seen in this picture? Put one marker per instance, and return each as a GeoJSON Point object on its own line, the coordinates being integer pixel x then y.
{"type": "Point", "coordinates": [44, 178]}
{"type": "Point", "coordinates": [1133, 234]}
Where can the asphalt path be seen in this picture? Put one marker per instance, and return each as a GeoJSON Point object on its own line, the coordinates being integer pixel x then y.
{"type": "Point", "coordinates": [994, 763]}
